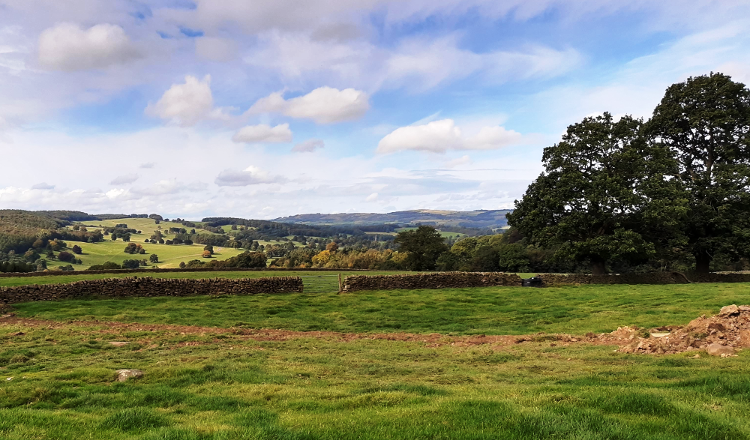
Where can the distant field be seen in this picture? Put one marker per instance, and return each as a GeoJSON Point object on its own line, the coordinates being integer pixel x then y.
{"type": "Point", "coordinates": [442, 233]}
{"type": "Point", "coordinates": [170, 256]}
{"type": "Point", "coordinates": [146, 225]}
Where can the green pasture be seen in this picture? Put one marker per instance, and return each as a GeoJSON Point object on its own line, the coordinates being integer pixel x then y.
{"type": "Point", "coordinates": [170, 256]}
{"type": "Point", "coordinates": [145, 225]}
{"type": "Point", "coordinates": [228, 384]}
{"type": "Point", "coordinates": [488, 310]}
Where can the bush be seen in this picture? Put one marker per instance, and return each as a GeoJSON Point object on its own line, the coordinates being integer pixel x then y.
{"type": "Point", "coordinates": [105, 266]}
{"type": "Point", "coordinates": [67, 268]}
{"type": "Point", "coordinates": [131, 264]}
{"type": "Point", "coordinates": [77, 249]}
{"type": "Point", "coordinates": [66, 257]}
{"type": "Point", "coordinates": [207, 254]}
{"type": "Point", "coordinates": [154, 258]}
{"type": "Point", "coordinates": [134, 248]}
{"type": "Point", "coordinates": [182, 265]}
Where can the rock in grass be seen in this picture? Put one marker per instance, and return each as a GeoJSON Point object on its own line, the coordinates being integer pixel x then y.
{"type": "Point", "coordinates": [118, 344]}
{"type": "Point", "coordinates": [123, 375]}
{"type": "Point", "coordinates": [716, 349]}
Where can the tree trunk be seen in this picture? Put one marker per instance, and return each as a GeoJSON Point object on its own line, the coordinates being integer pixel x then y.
{"type": "Point", "coordinates": [702, 262]}
{"type": "Point", "coordinates": [598, 267]}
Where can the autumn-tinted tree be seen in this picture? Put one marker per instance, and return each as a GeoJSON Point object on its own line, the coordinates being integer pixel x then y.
{"type": "Point", "coordinates": [602, 196]}
{"type": "Point", "coordinates": [66, 257]}
{"type": "Point", "coordinates": [705, 123]}
{"type": "Point", "coordinates": [424, 246]}
{"type": "Point", "coordinates": [206, 254]}
{"type": "Point", "coordinates": [77, 249]}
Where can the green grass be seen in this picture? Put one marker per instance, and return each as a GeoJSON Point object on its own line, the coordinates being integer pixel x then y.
{"type": "Point", "coordinates": [170, 256]}
{"type": "Point", "coordinates": [145, 225]}
{"type": "Point", "coordinates": [490, 310]}
{"type": "Point", "coordinates": [225, 384]}
{"type": "Point", "coordinates": [230, 386]}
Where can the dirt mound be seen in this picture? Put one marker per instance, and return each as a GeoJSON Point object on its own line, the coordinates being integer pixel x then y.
{"type": "Point", "coordinates": [719, 335]}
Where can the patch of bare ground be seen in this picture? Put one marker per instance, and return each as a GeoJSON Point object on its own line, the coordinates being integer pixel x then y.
{"type": "Point", "coordinates": [719, 335]}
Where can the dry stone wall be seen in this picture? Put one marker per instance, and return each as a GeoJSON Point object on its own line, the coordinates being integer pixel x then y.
{"type": "Point", "coordinates": [52, 273]}
{"type": "Point", "coordinates": [149, 287]}
{"type": "Point", "coordinates": [553, 279]}
{"type": "Point", "coordinates": [439, 280]}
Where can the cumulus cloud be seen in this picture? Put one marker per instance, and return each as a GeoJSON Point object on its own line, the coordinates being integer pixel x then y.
{"type": "Point", "coordinates": [308, 146]}
{"type": "Point", "coordinates": [249, 176]}
{"type": "Point", "coordinates": [185, 104]}
{"type": "Point", "coordinates": [124, 179]}
{"type": "Point", "coordinates": [43, 185]}
{"type": "Point", "coordinates": [443, 135]}
{"type": "Point", "coordinates": [259, 134]}
{"type": "Point", "coordinates": [68, 47]}
{"type": "Point", "coordinates": [324, 105]}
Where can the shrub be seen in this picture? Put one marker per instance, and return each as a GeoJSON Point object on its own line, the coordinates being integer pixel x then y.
{"type": "Point", "coordinates": [105, 266]}
{"type": "Point", "coordinates": [66, 268]}
{"type": "Point", "coordinates": [66, 257]}
{"type": "Point", "coordinates": [182, 265]}
{"type": "Point", "coordinates": [77, 250]}
{"type": "Point", "coordinates": [154, 258]}
{"type": "Point", "coordinates": [134, 248]}
{"type": "Point", "coordinates": [131, 264]}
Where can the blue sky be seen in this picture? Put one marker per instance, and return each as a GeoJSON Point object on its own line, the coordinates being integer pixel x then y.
{"type": "Point", "coordinates": [268, 108]}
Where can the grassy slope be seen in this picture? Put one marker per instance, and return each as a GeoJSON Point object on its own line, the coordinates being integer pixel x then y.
{"type": "Point", "coordinates": [491, 310]}
{"type": "Point", "coordinates": [169, 256]}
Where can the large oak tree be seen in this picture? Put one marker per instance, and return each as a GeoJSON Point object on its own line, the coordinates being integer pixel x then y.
{"type": "Point", "coordinates": [603, 195]}
{"type": "Point", "coordinates": [705, 123]}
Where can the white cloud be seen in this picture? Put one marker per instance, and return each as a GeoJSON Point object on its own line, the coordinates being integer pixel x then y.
{"type": "Point", "coordinates": [185, 104]}
{"type": "Point", "coordinates": [124, 179]}
{"type": "Point", "coordinates": [463, 160]}
{"type": "Point", "coordinates": [443, 135]}
{"type": "Point", "coordinates": [259, 134]}
{"type": "Point", "coordinates": [308, 146]}
{"type": "Point", "coordinates": [147, 165]}
{"type": "Point", "coordinates": [215, 48]}
{"type": "Point", "coordinates": [68, 47]}
{"type": "Point", "coordinates": [43, 185]}
{"type": "Point", "coordinates": [324, 105]}
{"type": "Point", "coordinates": [249, 176]}
{"type": "Point", "coordinates": [372, 197]}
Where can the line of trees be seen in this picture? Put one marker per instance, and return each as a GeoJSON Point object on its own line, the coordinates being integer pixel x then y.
{"type": "Point", "coordinates": [629, 192]}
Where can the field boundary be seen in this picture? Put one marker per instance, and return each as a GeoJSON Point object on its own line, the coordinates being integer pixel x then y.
{"type": "Point", "coordinates": [129, 287]}
{"type": "Point", "coordinates": [174, 270]}
{"type": "Point", "coordinates": [438, 280]}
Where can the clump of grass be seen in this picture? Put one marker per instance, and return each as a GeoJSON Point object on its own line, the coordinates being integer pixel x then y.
{"type": "Point", "coordinates": [134, 419]}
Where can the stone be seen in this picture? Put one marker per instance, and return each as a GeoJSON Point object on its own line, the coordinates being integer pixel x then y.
{"type": "Point", "coordinates": [118, 344]}
{"type": "Point", "coordinates": [719, 350]}
{"type": "Point", "coordinates": [729, 310]}
{"type": "Point", "coordinates": [125, 374]}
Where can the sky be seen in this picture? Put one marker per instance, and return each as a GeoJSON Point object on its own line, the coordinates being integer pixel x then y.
{"type": "Point", "coordinates": [268, 108]}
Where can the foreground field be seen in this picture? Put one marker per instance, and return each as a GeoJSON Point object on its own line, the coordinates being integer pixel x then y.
{"type": "Point", "coordinates": [490, 310]}
{"type": "Point", "coordinates": [394, 371]}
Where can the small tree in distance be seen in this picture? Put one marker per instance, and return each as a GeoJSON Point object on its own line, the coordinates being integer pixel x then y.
{"type": "Point", "coordinates": [153, 258]}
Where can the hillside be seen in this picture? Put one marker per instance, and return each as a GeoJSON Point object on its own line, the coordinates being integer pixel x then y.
{"type": "Point", "coordinates": [465, 219]}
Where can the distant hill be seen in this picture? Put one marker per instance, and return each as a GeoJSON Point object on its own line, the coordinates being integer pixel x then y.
{"type": "Point", "coordinates": [465, 219]}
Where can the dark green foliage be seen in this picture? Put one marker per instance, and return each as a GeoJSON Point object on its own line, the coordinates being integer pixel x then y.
{"type": "Point", "coordinates": [244, 260]}
{"type": "Point", "coordinates": [705, 124]}
{"type": "Point", "coordinates": [66, 257]}
{"type": "Point", "coordinates": [602, 196]}
{"type": "Point", "coordinates": [424, 245]}
{"type": "Point", "coordinates": [153, 258]}
{"type": "Point", "coordinates": [131, 264]}
{"type": "Point", "coordinates": [105, 266]}
{"type": "Point", "coordinates": [16, 266]}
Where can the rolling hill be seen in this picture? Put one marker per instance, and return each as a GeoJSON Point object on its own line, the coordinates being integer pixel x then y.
{"type": "Point", "coordinates": [465, 219]}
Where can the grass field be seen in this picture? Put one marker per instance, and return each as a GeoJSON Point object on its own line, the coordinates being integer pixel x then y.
{"type": "Point", "coordinates": [170, 256]}
{"type": "Point", "coordinates": [227, 382]}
